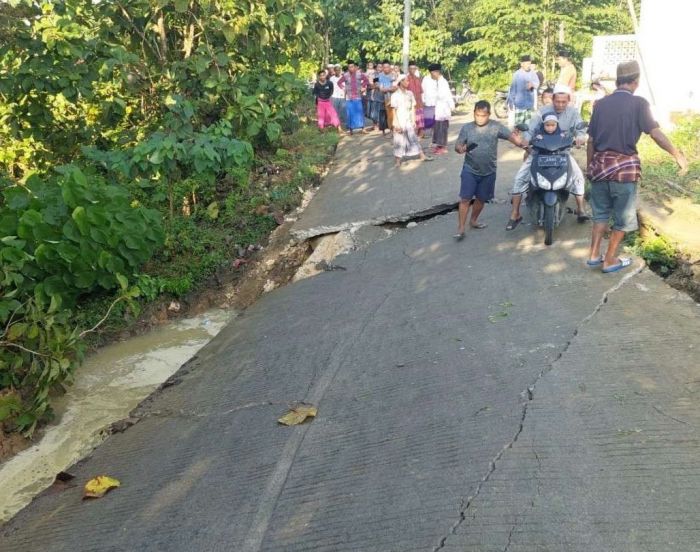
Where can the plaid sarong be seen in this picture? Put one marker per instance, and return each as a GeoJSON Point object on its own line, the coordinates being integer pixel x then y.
{"type": "Point", "coordinates": [618, 167]}
{"type": "Point", "coordinates": [523, 116]}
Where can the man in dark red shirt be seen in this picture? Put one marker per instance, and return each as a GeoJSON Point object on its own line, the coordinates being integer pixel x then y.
{"type": "Point", "coordinates": [614, 168]}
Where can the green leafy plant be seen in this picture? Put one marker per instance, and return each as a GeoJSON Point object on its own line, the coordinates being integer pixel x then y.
{"type": "Point", "coordinates": [659, 253]}
{"type": "Point", "coordinates": [68, 237]}
{"type": "Point", "coordinates": [62, 238]}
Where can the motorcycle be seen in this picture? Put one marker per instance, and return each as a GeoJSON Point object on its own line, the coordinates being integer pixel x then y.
{"type": "Point", "coordinates": [466, 95]}
{"type": "Point", "coordinates": [500, 104]}
{"type": "Point", "coordinates": [549, 177]}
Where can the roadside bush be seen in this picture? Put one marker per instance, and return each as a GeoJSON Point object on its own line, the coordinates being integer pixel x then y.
{"type": "Point", "coordinates": [659, 253]}
{"type": "Point", "coordinates": [158, 167]}
{"type": "Point", "coordinates": [69, 237]}
{"type": "Point", "coordinates": [659, 168]}
{"type": "Point", "coordinates": [62, 238]}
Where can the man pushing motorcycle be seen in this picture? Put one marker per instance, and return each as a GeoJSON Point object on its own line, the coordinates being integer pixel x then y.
{"type": "Point", "coordinates": [569, 120]}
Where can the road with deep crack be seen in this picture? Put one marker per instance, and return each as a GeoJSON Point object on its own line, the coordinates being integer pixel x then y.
{"type": "Point", "coordinates": [488, 395]}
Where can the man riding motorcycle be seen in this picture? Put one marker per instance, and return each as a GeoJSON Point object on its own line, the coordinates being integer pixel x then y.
{"type": "Point", "coordinates": [569, 119]}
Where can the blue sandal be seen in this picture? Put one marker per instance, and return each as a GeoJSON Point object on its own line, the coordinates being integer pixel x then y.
{"type": "Point", "coordinates": [624, 263]}
{"type": "Point", "coordinates": [595, 262]}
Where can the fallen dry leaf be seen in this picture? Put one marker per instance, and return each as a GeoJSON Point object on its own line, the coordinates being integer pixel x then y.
{"type": "Point", "coordinates": [298, 415]}
{"type": "Point", "coordinates": [98, 487]}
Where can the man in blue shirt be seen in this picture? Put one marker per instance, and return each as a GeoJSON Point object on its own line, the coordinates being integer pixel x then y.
{"type": "Point", "coordinates": [523, 88]}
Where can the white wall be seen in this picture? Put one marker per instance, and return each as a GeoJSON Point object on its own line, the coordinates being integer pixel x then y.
{"type": "Point", "coordinates": [669, 40]}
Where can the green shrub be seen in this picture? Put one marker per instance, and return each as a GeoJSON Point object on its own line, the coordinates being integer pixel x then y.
{"type": "Point", "coordinates": [62, 238]}
{"type": "Point", "coordinates": [68, 237]}
{"type": "Point", "coordinates": [659, 253]}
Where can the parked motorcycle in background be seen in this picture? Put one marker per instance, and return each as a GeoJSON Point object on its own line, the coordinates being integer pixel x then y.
{"type": "Point", "coordinates": [466, 95]}
{"type": "Point", "coordinates": [549, 178]}
{"type": "Point", "coordinates": [500, 104]}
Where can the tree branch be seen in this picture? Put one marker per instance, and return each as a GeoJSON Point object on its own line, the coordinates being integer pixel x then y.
{"type": "Point", "coordinates": [104, 318]}
{"type": "Point", "coordinates": [18, 346]}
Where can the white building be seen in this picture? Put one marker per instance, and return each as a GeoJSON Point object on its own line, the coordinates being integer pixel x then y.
{"type": "Point", "coordinates": [668, 43]}
{"type": "Point", "coordinates": [666, 47]}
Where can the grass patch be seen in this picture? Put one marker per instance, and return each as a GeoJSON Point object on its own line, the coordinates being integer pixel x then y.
{"type": "Point", "coordinates": [660, 254]}
{"type": "Point", "coordinates": [659, 167]}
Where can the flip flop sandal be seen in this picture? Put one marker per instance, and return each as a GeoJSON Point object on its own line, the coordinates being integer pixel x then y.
{"type": "Point", "coordinates": [459, 237]}
{"type": "Point", "coordinates": [513, 223]}
{"type": "Point", "coordinates": [428, 158]}
{"type": "Point", "coordinates": [595, 262]}
{"type": "Point", "coordinates": [624, 263]}
{"type": "Point", "coordinates": [582, 218]}
{"type": "Point", "coordinates": [478, 226]}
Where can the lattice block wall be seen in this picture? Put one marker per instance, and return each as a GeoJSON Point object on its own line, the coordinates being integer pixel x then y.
{"type": "Point", "coordinates": [610, 50]}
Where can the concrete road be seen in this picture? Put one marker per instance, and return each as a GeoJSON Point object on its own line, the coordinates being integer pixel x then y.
{"type": "Point", "coordinates": [488, 395]}
{"type": "Point", "coordinates": [362, 188]}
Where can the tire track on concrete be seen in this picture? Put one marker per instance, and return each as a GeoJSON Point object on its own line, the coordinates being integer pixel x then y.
{"type": "Point", "coordinates": [268, 500]}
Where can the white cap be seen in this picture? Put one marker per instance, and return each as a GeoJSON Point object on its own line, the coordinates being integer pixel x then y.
{"type": "Point", "coordinates": [562, 89]}
{"type": "Point", "coordinates": [550, 117]}
{"type": "Point", "coordinates": [399, 79]}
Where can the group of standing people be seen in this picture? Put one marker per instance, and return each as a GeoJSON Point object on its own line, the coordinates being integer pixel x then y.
{"type": "Point", "coordinates": [613, 166]}
{"type": "Point", "coordinates": [409, 106]}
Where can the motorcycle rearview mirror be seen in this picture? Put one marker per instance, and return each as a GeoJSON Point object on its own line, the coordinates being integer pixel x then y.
{"type": "Point", "coordinates": [522, 127]}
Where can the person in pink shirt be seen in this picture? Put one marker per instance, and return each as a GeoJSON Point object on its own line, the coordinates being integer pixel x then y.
{"type": "Point", "coordinates": [323, 91]}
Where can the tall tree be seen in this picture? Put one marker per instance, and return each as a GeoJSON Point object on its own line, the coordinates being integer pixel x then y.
{"type": "Point", "coordinates": [488, 36]}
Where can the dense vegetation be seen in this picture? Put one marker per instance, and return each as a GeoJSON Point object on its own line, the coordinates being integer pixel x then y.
{"type": "Point", "coordinates": [128, 131]}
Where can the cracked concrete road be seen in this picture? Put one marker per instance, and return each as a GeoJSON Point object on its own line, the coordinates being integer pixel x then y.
{"type": "Point", "coordinates": [487, 395]}
{"type": "Point", "coordinates": [362, 188]}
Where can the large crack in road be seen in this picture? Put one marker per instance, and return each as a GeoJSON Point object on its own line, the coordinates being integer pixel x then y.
{"type": "Point", "coordinates": [529, 395]}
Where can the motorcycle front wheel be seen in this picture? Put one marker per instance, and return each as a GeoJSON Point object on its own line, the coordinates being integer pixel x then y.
{"type": "Point", "coordinates": [548, 224]}
{"type": "Point", "coordinates": [500, 109]}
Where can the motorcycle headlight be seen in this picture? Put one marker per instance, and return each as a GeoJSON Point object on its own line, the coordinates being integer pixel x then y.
{"type": "Point", "coordinates": [560, 182]}
{"type": "Point", "coordinates": [542, 182]}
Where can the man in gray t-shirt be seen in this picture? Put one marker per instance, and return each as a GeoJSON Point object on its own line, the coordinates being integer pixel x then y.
{"type": "Point", "coordinates": [478, 141]}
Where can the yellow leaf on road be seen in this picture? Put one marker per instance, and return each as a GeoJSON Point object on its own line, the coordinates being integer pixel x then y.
{"type": "Point", "coordinates": [298, 414]}
{"type": "Point", "coordinates": [97, 487]}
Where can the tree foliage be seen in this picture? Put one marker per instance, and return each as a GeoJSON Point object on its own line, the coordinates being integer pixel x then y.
{"type": "Point", "coordinates": [117, 120]}
{"type": "Point", "coordinates": [487, 36]}
{"type": "Point", "coordinates": [81, 73]}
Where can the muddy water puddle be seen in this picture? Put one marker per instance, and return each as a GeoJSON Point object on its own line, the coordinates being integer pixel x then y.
{"type": "Point", "coordinates": [107, 387]}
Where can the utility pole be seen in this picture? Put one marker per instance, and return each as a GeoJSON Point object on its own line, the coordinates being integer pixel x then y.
{"type": "Point", "coordinates": [406, 33]}
{"type": "Point", "coordinates": [635, 26]}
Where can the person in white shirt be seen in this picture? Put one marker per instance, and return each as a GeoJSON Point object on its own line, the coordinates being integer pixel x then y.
{"type": "Point", "coordinates": [438, 105]}
{"type": "Point", "coordinates": [338, 97]}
